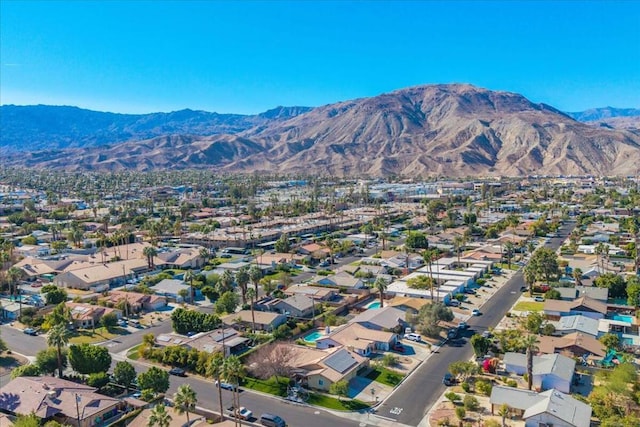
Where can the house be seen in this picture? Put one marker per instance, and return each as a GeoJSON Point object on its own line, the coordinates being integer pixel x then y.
{"type": "Point", "coordinates": [87, 316]}
{"type": "Point", "coordinates": [210, 342]}
{"type": "Point", "coordinates": [138, 301]}
{"type": "Point", "coordinates": [582, 324]}
{"type": "Point", "coordinates": [264, 320]}
{"type": "Point", "coordinates": [341, 280]}
{"type": "Point", "coordinates": [172, 289]}
{"type": "Point", "coordinates": [316, 292]}
{"type": "Point", "coordinates": [359, 339]}
{"type": "Point", "coordinates": [11, 311]}
{"type": "Point", "coordinates": [569, 294]}
{"type": "Point", "coordinates": [315, 250]}
{"type": "Point", "coordinates": [549, 408]}
{"type": "Point", "coordinates": [99, 277]}
{"type": "Point", "coordinates": [574, 344]}
{"type": "Point", "coordinates": [550, 371]}
{"type": "Point", "coordinates": [383, 319]}
{"type": "Point", "coordinates": [182, 258]}
{"type": "Point", "coordinates": [319, 369]}
{"type": "Point", "coordinates": [51, 398]}
{"type": "Point", "coordinates": [586, 306]}
{"type": "Point", "coordinates": [297, 306]}
{"type": "Point", "coordinates": [408, 304]}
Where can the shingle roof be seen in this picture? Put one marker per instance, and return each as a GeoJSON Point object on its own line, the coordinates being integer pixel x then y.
{"type": "Point", "coordinates": [561, 406]}
{"type": "Point", "coordinates": [556, 364]}
{"type": "Point", "coordinates": [386, 317]}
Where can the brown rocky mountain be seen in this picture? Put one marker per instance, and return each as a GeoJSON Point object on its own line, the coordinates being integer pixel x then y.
{"type": "Point", "coordinates": [451, 130]}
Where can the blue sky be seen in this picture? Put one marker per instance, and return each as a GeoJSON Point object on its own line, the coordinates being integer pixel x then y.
{"type": "Point", "coordinates": [249, 56]}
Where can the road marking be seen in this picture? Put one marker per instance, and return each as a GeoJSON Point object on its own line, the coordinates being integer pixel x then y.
{"type": "Point", "coordinates": [396, 411]}
{"type": "Point", "coordinates": [317, 412]}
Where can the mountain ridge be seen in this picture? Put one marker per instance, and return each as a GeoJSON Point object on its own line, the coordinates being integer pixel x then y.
{"type": "Point", "coordinates": [451, 130]}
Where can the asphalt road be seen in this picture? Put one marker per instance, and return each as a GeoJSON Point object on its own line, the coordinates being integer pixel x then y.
{"type": "Point", "coordinates": [415, 397]}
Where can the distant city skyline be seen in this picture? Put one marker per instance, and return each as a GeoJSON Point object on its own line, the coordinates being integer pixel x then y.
{"type": "Point", "coordinates": [250, 56]}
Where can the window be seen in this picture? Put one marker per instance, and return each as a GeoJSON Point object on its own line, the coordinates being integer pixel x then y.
{"type": "Point", "coordinates": [320, 382]}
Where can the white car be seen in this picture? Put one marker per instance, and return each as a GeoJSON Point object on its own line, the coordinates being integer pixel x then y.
{"type": "Point", "coordinates": [475, 312]}
{"type": "Point", "coordinates": [413, 337]}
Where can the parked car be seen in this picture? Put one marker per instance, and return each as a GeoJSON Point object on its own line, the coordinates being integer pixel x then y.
{"type": "Point", "coordinates": [539, 299]}
{"type": "Point", "coordinates": [178, 372]}
{"type": "Point", "coordinates": [30, 331]}
{"type": "Point", "coordinates": [122, 323]}
{"type": "Point", "coordinates": [241, 413]}
{"type": "Point", "coordinates": [487, 334]}
{"type": "Point", "coordinates": [475, 312]}
{"type": "Point", "coordinates": [448, 379]}
{"type": "Point", "coordinates": [463, 325]}
{"type": "Point", "coordinates": [413, 337]}
{"type": "Point", "coordinates": [454, 303]}
{"type": "Point", "coordinates": [226, 256]}
{"type": "Point", "coordinates": [270, 420]}
{"type": "Point", "coordinates": [453, 333]}
{"type": "Point", "coordinates": [225, 386]}
{"type": "Point", "coordinates": [470, 291]}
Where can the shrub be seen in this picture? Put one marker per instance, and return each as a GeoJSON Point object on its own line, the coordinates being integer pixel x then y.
{"type": "Point", "coordinates": [484, 387]}
{"type": "Point", "coordinates": [512, 383]}
{"type": "Point", "coordinates": [389, 360]}
{"type": "Point", "coordinates": [466, 387]}
{"type": "Point", "coordinates": [452, 396]}
{"type": "Point", "coordinates": [481, 282]}
{"type": "Point", "coordinates": [461, 413]}
{"type": "Point", "coordinates": [470, 403]}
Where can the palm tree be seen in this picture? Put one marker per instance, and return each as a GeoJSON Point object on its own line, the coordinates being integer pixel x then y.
{"type": "Point", "coordinates": [188, 277]}
{"type": "Point", "coordinates": [14, 274]}
{"type": "Point", "coordinates": [185, 399]}
{"type": "Point", "coordinates": [509, 248]}
{"type": "Point", "coordinates": [577, 276]}
{"type": "Point", "coordinates": [159, 417]}
{"type": "Point", "coordinates": [422, 282]}
{"type": "Point", "coordinates": [242, 279]}
{"type": "Point", "coordinates": [251, 294]}
{"type": "Point", "coordinates": [150, 252]}
{"type": "Point", "coordinates": [504, 413]}
{"type": "Point", "coordinates": [205, 254]}
{"type": "Point", "coordinates": [381, 286]}
{"type": "Point", "coordinates": [458, 243]}
{"type": "Point", "coordinates": [58, 337]}
{"type": "Point", "coordinates": [530, 343]}
{"type": "Point", "coordinates": [215, 369]}
{"type": "Point", "coordinates": [255, 274]}
{"type": "Point", "coordinates": [429, 256]}
{"type": "Point", "coordinates": [233, 371]}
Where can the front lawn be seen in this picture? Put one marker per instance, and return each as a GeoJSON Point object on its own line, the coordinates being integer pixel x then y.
{"type": "Point", "coordinates": [270, 386]}
{"type": "Point", "coordinates": [385, 376]}
{"type": "Point", "coordinates": [529, 306]}
{"type": "Point", "coordinates": [333, 403]}
{"type": "Point", "coordinates": [89, 336]}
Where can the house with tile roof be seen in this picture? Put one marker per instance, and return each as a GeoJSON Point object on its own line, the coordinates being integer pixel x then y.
{"type": "Point", "coordinates": [571, 324]}
{"type": "Point", "coordinates": [549, 408]}
{"type": "Point", "coordinates": [51, 398]}
{"type": "Point", "coordinates": [586, 306]}
{"type": "Point", "coordinates": [87, 316]}
{"type": "Point", "coordinates": [382, 319]}
{"type": "Point", "coordinates": [576, 344]}
{"type": "Point", "coordinates": [264, 320]}
{"type": "Point", "coordinates": [357, 338]}
{"type": "Point", "coordinates": [137, 301]}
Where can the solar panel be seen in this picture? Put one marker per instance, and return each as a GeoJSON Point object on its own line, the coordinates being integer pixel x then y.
{"type": "Point", "coordinates": [340, 361]}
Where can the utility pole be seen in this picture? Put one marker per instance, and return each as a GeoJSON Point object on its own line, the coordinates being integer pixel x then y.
{"type": "Point", "coordinates": [126, 294]}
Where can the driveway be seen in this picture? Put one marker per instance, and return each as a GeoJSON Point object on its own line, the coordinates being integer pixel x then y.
{"type": "Point", "coordinates": [367, 390]}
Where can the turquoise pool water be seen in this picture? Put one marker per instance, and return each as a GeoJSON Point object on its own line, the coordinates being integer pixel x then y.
{"type": "Point", "coordinates": [375, 304]}
{"type": "Point", "coordinates": [313, 336]}
{"type": "Point", "coordinates": [622, 318]}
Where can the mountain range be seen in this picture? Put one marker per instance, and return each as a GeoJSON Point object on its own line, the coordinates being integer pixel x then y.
{"type": "Point", "coordinates": [446, 130]}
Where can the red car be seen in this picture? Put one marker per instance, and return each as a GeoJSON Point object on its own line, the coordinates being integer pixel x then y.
{"type": "Point", "coordinates": [398, 347]}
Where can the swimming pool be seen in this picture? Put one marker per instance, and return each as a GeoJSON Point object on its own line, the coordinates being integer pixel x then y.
{"type": "Point", "coordinates": [622, 318]}
{"type": "Point", "coordinates": [313, 336]}
{"type": "Point", "coordinates": [375, 304]}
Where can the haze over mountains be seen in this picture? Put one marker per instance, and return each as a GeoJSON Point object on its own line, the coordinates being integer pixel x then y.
{"type": "Point", "coordinates": [450, 130]}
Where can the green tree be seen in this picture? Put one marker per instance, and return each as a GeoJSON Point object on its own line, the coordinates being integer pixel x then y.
{"type": "Point", "coordinates": [614, 282]}
{"type": "Point", "coordinates": [154, 379]}
{"type": "Point", "coordinates": [47, 360]}
{"type": "Point", "coordinates": [227, 303]}
{"type": "Point", "coordinates": [59, 338]}
{"type": "Point", "coordinates": [55, 296]}
{"type": "Point", "coordinates": [633, 291]}
{"type": "Point", "coordinates": [480, 345]}
{"type": "Point", "coordinates": [185, 400]}
{"type": "Point", "coordinates": [150, 252]}
{"type": "Point", "coordinates": [255, 275]}
{"type": "Point", "coordinates": [188, 278]}
{"type": "Point", "coordinates": [282, 245]}
{"type": "Point", "coordinates": [88, 359]}
{"type": "Point", "coordinates": [98, 379]}
{"type": "Point", "coordinates": [31, 370]}
{"type": "Point", "coordinates": [429, 316]}
{"type": "Point", "coordinates": [553, 294]}
{"type": "Point", "coordinates": [461, 414]}
{"type": "Point", "coordinates": [123, 374]}
{"type": "Point", "coordinates": [233, 370]}
{"type": "Point", "coordinates": [503, 412]}
{"type": "Point", "coordinates": [60, 315]}
{"type": "Point", "coordinates": [422, 281]}
{"type": "Point", "coordinates": [109, 321]}
{"type": "Point", "coordinates": [543, 264]}
{"type": "Point", "coordinates": [533, 322]}
{"type": "Point", "coordinates": [242, 279]}
{"type": "Point", "coordinates": [159, 417]}
{"type": "Point", "coordinates": [31, 420]}
{"type": "Point", "coordinates": [610, 341]}
{"type": "Point", "coordinates": [251, 294]}
{"type": "Point", "coordinates": [530, 344]}
{"type": "Point", "coordinates": [339, 388]}
{"type": "Point", "coordinates": [416, 240]}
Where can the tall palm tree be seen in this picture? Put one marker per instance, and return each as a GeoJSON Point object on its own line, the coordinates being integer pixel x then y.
{"type": "Point", "coordinates": [255, 274]}
{"type": "Point", "coordinates": [233, 371]}
{"type": "Point", "coordinates": [530, 343]}
{"type": "Point", "coordinates": [205, 254]}
{"type": "Point", "coordinates": [14, 274]}
{"type": "Point", "coordinates": [58, 337]}
{"type": "Point", "coordinates": [251, 294]}
{"type": "Point", "coordinates": [159, 417]}
{"type": "Point", "coordinates": [509, 248]}
{"type": "Point", "coordinates": [504, 413]}
{"type": "Point", "coordinates": [185, 400]}
{"type": "Point", "coordinates": [188, 277]}
{"type": "Point", "coordinates": [215, 369]}
{"type": "Point", "coordinates": [150, 252]}
{"type": "Point", "coordinates": [458, 243]}
{"type": "Point", "coordinates": [242, 279]}
{"type": "Point", "coordinates": [381, 286]}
